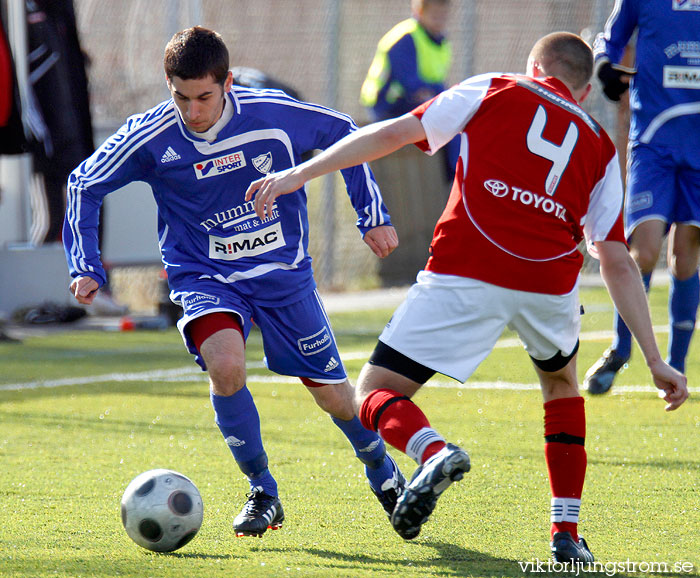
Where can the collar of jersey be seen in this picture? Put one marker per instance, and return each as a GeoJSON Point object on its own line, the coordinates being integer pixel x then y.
{"type": "Point", "coordinates": [189, 135]}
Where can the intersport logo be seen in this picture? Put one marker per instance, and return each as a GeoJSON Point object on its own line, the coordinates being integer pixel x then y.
{"type": "Point", "coordinates": [219, 165]}
{"type": "Point", "coordinates": [689, 5]}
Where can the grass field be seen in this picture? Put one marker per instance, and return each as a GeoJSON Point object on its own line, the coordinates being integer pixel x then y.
{"type": "Point", "coordinates": [82, 413]}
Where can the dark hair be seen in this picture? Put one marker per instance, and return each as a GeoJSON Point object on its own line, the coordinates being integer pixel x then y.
{"type": "Point", "coordinates": [196, 53]}
{"type": "Point", "coordinates": [565, 56]}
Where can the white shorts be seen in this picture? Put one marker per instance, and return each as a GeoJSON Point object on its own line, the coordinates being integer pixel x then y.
{"type": "Point", "coordinates": [450, 323]}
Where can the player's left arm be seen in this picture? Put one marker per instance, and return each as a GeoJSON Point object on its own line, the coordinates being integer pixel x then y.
{"type": "Point", "coordinates": [373, 219]}
{"type": "Point", "coordinates": [382, 240]}
{"type": "Point", "coordinates": [361, 146]}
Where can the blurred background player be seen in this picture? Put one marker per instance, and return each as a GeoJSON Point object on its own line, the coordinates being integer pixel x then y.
{"type": "Point", "coordinates": [537, 175]}
{"type": "Point", "coordinates": [411, 63]}
{"type": "Point", "coordinates": [663, 165]}
{"type": "Point", "coordinates": [410, 66]}
{"type": "Point", "coordinates": [228, 269]}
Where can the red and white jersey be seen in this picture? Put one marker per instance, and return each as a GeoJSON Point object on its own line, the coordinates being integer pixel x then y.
{"type": "Point", "coordinates": [536, 175]}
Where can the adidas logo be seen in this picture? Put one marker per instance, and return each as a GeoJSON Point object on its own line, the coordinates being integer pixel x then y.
{"type": "Point", "coordinates": [234, 441]}
{"type": "Point", "coordinates": [270, 514]}
{"type": "Point", "coordinates": [169, 155]}
{"type": "Point", "coordinates": [332, 364]}
{"type": "Point", "coordinates": [371, 447]}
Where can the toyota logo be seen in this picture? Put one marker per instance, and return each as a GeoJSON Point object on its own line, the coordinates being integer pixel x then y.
{"type": "Point", "coordinates": [496, 188]}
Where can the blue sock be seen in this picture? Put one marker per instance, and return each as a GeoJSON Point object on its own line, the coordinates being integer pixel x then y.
{"type": "Point", "coordinates": [683, 300]}
{"type": "Point", "coordinates": [622, 342]}
{"type": "Point", "coordinates": [370, 450]}
{"type": "Point", "coordinates": [239, 422]}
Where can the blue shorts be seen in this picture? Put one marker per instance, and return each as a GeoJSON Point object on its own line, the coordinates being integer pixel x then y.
{"type": "Point", "coordinates": [297, 338]}
{"type": "Point", "coordinates": [663, 184]}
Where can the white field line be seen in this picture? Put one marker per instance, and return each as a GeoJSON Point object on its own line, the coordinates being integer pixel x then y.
{"type": "Point", "coordinates": [193, 373]}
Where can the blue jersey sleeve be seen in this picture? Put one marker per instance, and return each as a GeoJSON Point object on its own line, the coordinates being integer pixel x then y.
{"type": "Point", "coordinates": [619, 28]}
{"type": "Point", "coordinates": [318, 127]}
{"type": "Point", "coordinates": [360, 184]}
{"type": "Point", "coordinates": [114, 164]}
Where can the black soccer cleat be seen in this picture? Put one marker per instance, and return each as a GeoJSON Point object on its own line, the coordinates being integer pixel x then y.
{"type": "Point", "coordinates": [599, 378]}
{"type": "Point", "coordinates": [418, 500]}
{"type": "Point", "coordinates": [564, 549]}
{"type": "Point", "coordinates": [261, 511]}
{"type": "Point", "coordinates": [391, 489]}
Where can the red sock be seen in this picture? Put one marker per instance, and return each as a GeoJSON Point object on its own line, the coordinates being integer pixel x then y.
{"type": "Point", "coordinates": [565, 434]}
{"type": "Point", "coordinates": [431, 450]}
{"type": "Point", "coordinates": [398, 419]}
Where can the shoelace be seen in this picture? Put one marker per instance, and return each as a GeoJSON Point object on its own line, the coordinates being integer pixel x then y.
{"type": "Point", "coordinates": [256, 503]}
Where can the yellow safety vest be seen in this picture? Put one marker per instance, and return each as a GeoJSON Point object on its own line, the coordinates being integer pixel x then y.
{"type": "Point", "coordinates": [433, 62]}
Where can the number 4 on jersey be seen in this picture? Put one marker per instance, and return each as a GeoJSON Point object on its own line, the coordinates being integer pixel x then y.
{"type": "Point", "coordinates": [558, 154]}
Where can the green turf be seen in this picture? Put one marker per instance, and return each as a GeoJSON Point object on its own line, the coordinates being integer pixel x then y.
{"type": "Point", "coordinates": [68, 452]}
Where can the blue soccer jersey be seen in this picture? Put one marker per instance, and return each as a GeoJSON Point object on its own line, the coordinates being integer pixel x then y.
{"type": "Point", "coordinates": [205, 228]}
{"type": "Point", "coordinates": [665, 92]}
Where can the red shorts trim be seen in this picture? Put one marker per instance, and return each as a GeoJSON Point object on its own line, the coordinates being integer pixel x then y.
{"type": "Point", "coordinates": [311, 383]}
{"type": "Point", "coordinates": [205, 326]}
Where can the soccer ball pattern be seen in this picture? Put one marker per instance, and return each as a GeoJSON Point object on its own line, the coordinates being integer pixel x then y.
{"type": "Point", "coordinates": [162, 510]}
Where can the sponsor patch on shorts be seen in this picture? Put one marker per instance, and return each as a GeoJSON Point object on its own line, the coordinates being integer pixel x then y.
{"type": "Point", "coordinates": [641, 201]}
{"type": "Point", "coordinates": [312, 344]}
{"type": "Point", "coordinates": [193, 301]}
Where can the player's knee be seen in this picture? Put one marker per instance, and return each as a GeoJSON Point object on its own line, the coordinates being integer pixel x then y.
{"type": "Point", "coordinates": [646, 258]}
{"type": "Point", "coordinates": [337, 407]}
{"type": "Point", "coordinates": [645, 254]}
{"type": "Point", "coordinates": [334, 399]}
{"type": "Point", "coordinates": [683, 263]}
{"type": "Point", "coordinates": [226, 375]}
{"type": "Point", "coordinates": [225, 387]}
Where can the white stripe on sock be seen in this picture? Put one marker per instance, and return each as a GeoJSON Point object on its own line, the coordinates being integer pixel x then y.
{"type": "Point", "coordinates": [565, 510]}
{"type": "Point", "coordinates": [421, 440]}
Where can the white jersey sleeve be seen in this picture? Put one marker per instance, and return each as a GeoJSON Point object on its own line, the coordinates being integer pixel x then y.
{"type": "Point", "coordinates": [448, 113]}
{"type": "Point", "coordinates": [605, 206]}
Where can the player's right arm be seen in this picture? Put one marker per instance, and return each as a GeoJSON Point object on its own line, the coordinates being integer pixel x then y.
{"type": "Point", "coordinates": [623, 280]}
{"type": "Point", "coordinates": [114, 164]}
{"type": "Point", "coordinates": [84, 289]}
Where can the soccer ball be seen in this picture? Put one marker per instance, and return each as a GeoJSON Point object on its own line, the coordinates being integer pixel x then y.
{"type": "Point", "coordinates": [162, 510]}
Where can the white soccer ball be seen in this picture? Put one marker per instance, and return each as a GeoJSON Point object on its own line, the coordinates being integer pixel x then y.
{"type": "Point", "coordinates": [162, 510]}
